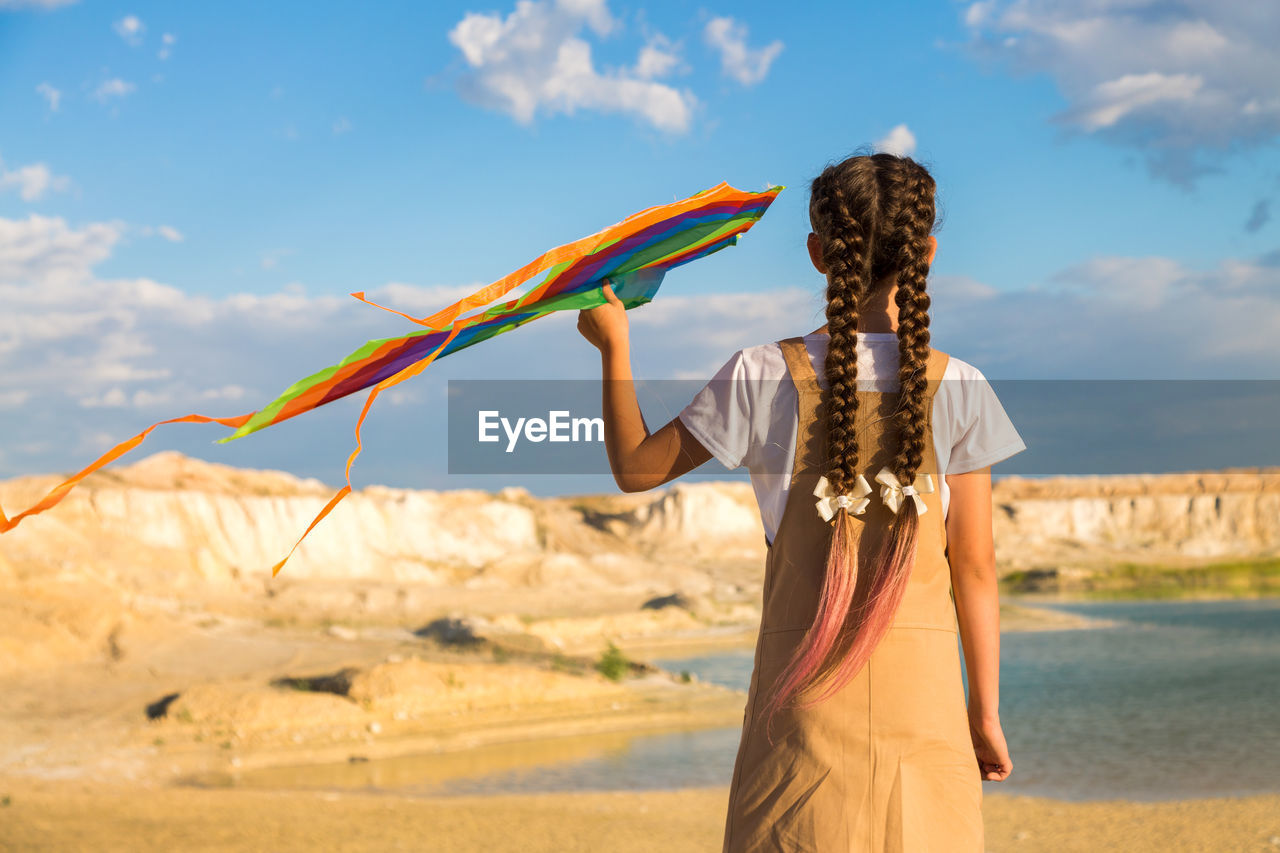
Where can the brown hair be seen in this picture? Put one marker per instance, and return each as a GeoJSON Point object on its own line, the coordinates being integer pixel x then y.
{"type": "Point", "coordinates": [873, 215]}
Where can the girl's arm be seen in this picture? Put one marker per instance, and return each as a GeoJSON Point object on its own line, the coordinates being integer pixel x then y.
{"type": "Point", "coordinates": [971, 552]}
{"type": "Point", "coordinates": [640, 460]}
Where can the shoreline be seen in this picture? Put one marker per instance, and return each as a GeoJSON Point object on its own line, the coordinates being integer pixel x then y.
{"type": "Point", "coordinates": [233, 721]}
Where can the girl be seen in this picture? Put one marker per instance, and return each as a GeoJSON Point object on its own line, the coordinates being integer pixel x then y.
{"type": "Point", "coordinates": [856, 735]}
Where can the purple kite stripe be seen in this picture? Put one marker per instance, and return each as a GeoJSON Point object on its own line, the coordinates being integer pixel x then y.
{"type": "Point", "coordinates": [588, 268]}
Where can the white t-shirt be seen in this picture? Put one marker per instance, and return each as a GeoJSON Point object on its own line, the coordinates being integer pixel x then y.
{"type": "Point", "coordinates": [748, 415]}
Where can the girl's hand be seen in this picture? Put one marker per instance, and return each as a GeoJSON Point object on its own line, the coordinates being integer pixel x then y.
{"type": "Point", "coordinates": [605, 326]}
{"type": "Point", "coordinates": [990, 748]}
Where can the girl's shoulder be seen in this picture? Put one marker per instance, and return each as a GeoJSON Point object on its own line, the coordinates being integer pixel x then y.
{"type": "Point", "coordinates": [963, 387]}
{"type": "Point", "coordinates": [962, 370]}
{"type": "Point", "coordinates": [763, 361]}
{"type": "Point", "coordinates": [973, 421]}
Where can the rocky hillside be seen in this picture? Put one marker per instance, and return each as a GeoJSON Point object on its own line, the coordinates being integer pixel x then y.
{"type": "Point", "coordinates": [173, 521]}
{"type": "Point", "coordinates": [138, 552]}
{"type": "Point", "coordinates": [1180, 518]}
{"type": "Point", "coordinates": [176, 521]}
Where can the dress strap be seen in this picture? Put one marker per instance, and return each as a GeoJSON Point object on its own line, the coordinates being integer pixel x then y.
{"type": "Point", "coordinates": [810, 447]}
{"type": "Point", "coordinates": [934, 370]}
{"type": "Point", "coordinates": [796, 354]}
{"type": "Point", "coordinates": [801, 370]}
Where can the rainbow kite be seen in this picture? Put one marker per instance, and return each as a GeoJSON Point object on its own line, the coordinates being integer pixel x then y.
{"type": "Point", "coordinates": [633, 256]}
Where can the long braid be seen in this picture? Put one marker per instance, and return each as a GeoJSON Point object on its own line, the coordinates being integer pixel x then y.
{"type": "Point", "coordinates": [873, 216]}
{"type": "Point", "coordinates": [916, 221]}
{"type": "Point", "coordinates": [848, 261]}
{"type": "Point", "coordinates": [847, 249]}
{"type": "Point", "coordinates": [913, 220]}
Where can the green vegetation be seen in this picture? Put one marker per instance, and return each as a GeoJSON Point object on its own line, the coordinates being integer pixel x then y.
{"type": "Point", "coordinates": [338, 683]}
{"type": "Point", "coordinates": [1230, 579]}
{"type": "Point", "coordinates": [306, 685]}
{"type": "Point", "coordinates": [613, 664]}
{"type": "Point", "coordinates": [184, 716]}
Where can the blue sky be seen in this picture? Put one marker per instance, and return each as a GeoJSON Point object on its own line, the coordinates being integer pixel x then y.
{"type": "Point", "coordinates": [188, 192]}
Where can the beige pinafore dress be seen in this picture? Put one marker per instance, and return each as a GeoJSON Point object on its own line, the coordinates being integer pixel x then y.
{"type": "Point", "coordinates": [886, 763]}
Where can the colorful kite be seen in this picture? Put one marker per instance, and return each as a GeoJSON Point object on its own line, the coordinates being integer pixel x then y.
{"type": "Point", "coordinates": [633, 256]}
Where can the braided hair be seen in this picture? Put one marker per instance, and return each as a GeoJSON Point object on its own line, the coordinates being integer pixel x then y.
{"type": "Point", "coordinates": [873, 215]}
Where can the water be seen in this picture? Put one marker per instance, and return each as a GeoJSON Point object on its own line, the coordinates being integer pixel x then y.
{"type": "Point", "coordinates": [1175, 699]}
{"type": "Point", "coordinates": [1178, 699]}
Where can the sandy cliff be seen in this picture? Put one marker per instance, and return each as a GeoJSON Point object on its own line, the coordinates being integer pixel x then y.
{"type": "Point", "coordinates": [176, 520]}
{"type": "Point", "coordinates": [1173, 518]}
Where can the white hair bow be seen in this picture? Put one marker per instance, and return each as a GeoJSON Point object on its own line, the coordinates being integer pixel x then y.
{"type": "Point", "coordinates": [829, 502]}
{"type": "Point", "coordinates": [892, 492]}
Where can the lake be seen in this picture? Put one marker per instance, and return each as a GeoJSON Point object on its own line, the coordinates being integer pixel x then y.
{"type": "Point", "coordinates": [1175, 699]}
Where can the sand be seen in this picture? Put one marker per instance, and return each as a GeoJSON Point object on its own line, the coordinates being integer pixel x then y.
{"type": "Point", "coordinates": [72, 816]}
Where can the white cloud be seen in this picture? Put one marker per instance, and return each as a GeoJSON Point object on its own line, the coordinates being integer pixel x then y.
{"type": "Point", "coordinates": [714, 326]}
{"type": "Point", "coordinates": [533, 61]}
{"type": "Point", "coordinates": [341, 126]}
{"type": "Point", "coordinates": [167, 42]}
{"type": "Point", "coordinates": [596, 13]}
{"type": "Point", "coordinates": [976, 14]}
{"type": "Point", "coordinates": [144, 399]}
{"type": "Point", "coordinates": [1181, 83]}
{"type": "Point", "coordinates": [746, 65]}
{"type": "Point", "coordinates": [900, 141]}
{"type": "Point", "coordinates": [168, 232]}
{"type": "Point", "coordinates": [130, 28]}
{"type": "Point", "coordinates": [32, 181]}
{"type": "Point", "coordinates": [50, 94]}
{"type": "Point", "coordinates": [1121, 317]}
{"type": "Point", "coordinates": [1111, 101]}
{"type": "Point", "coordinates": [115, 397]}
{"type": "Point", "coordinates": [113, 88]}
{"type": "Point", "coordinates": [226, 392]}
{"type": "Point", "coordinates": [658, 58]}
{"type": "Point", "coordinates": [424, 300]}
{"type": "Point", "coordinates": [271, 258]}
{"type": "Point", "coordinates": [45, 249]}
{"type": "Point", "coordinates": [92, 338]}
